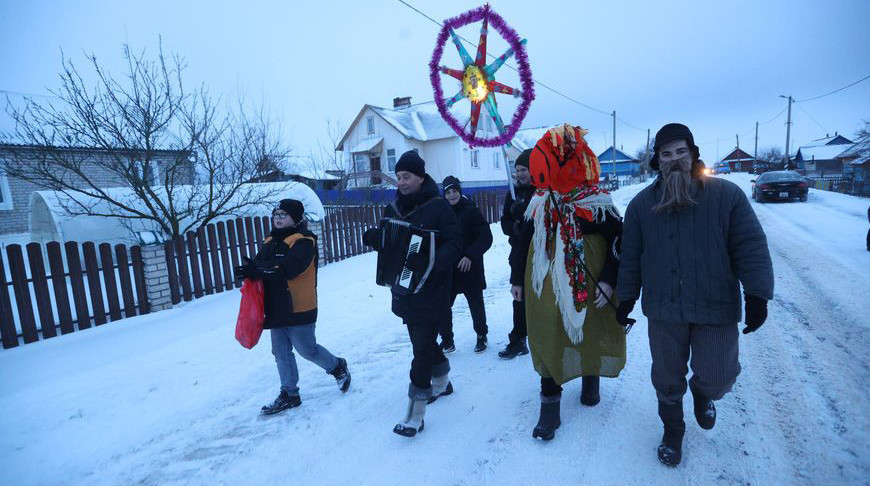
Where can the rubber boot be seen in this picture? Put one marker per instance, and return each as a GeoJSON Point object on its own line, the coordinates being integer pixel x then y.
{"type": "Point", "coordinates": [670, 451]}
{"type": "Point", "coordinates": [549, 420]}
{"type": "Point", "coordinates": [589, 395]}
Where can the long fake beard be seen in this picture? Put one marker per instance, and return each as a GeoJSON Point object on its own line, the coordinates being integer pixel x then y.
{"type": "Point", "coordinates": [676, 183]}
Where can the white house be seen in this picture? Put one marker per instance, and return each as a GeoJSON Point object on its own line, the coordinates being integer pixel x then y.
{"type": "Point", "coordinates": [379, 136]}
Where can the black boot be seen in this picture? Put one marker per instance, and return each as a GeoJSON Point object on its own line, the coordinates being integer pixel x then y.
{"type": "Point", "coordinates": [283, 402]}
{"type": "Point", "coordinates": [480, 346]}
{"type": "Point", "coordinates": [670, 451]}
{"type": "Point", "coordinates": [705, 410]}
{"type": "Point", "coordinates": [549, 420]}
{"type": "Point", "coordinates": [514, 348]}
{"type": "Point", "coordinates": [589, 393]}
{"type": "Point", "coordinates": [341, 375]}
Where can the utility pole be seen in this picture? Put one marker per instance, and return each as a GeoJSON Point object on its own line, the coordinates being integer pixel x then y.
{"type": "Point", "coordinates": [646, 154]}
{"type": "Point", "coordinates": [739, 163]}
{"type": "Point", "coordinates": [613, 153]}
{"type": "Point", "coordinates": [755, 155]}
{"type": "Point", "coordinates": [787, 129]}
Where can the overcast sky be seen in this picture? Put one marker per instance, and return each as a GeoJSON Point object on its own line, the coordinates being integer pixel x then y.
{"type": "Point", "coordinates": [717, 66]}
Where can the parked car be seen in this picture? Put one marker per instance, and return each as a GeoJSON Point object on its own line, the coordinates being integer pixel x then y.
{"type": "Point", "coordinates": [721, 168]}
{"type": "Point", "coordinates": [780, 184]}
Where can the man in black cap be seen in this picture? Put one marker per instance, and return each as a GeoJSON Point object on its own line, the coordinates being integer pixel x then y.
{"type": "Point", "coordinates": [512, 222]}
{"type": "Point", "coordinates": [687, 241]}
{"type": "Point", "coordinates": [417, 202]}
{"type": "Point", "coordinates": [468, 274]}
{"type": "Point", "coordinates": [287, 265]}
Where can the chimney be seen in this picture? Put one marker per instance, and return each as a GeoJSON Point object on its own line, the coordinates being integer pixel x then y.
{"type": "Point", "coordinates": [402, 102]}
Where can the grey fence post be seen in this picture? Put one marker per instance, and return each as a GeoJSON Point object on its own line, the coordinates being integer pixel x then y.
{"type": "Point", "coordinates": [156, 277]}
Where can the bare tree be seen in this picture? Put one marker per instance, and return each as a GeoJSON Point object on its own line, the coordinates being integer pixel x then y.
{"type": "Point", "coordinates": [770, 157]}
{"type": "Point", "coordinates": [177, 159]}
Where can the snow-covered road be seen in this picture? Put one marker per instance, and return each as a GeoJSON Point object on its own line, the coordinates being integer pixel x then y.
{"type": "Point", "coordinates": [171, 398]}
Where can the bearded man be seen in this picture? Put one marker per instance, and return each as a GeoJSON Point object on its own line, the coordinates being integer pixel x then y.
{"type": "Point", "coordinates": [687, 241]}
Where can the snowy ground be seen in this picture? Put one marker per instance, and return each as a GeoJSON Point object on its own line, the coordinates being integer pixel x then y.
{"type": "Point", "coordinates": [171, 398]}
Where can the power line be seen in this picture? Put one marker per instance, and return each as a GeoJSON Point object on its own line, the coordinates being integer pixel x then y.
{"type": "Point", "coordinates": [20, 93]}
{"type": "Point", "coordinates": [539, 83]}
{"type": "Point", "coordinates": [835, 91]}
{"type": "Point", "coordinates": [811, 118]}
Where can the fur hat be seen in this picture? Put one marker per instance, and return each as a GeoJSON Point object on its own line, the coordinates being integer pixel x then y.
{"type": "Point", "coordinates": [669, 133]}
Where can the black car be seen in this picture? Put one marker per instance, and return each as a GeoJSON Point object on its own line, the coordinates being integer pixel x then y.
{"type": "Point", "coordinates": [781, 185]}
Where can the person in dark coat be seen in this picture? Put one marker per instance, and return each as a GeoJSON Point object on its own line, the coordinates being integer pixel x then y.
{"type": "Point", "coordinates": [689, 242]}
{"type": "Point", "coordinates": [287, 265]}
{"type": "Point", "coordinates": [512, 223]}
{"type": "Point", "coordinates": [417, 202]}
{"type": "Point", "coordinates": [468, 274]}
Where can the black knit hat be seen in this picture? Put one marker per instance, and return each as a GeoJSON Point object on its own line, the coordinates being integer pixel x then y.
{"type": "Point", "coordinates": [411, 161]}
{"type": "Point", "coordinates": [451, 182]}
{"type": "Point", "coordinates": [292, 207]}
{"type": "Point", "coordinates": [669, 133]}
{"type": "Point", "coordinates": [523, 158]}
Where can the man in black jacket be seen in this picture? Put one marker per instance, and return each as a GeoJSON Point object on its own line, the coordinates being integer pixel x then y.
{"type": "Point", "coordinates": [287, 265]}
{"type": "Point", "coordinates": [468, 275]}
{"type": "Point", "coordinates": [512, 222]}
{"type": "Point", "coordinates": [417, 202]}
{"type": "Point", "coordinates": [687, 241]}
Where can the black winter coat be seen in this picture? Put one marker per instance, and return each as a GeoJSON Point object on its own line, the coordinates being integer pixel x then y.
{"type": "Point", "coordinates": [476, 240]}
{"type": "Point", "coordinates": [518, 230]}
{"type": "Point", "coordinates": [428, 210]}
{"type": "Point", "coordinates": [282, 264]}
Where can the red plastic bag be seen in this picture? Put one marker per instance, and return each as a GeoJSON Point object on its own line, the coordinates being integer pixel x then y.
{"type": "Point", "coordinates": [249, 324]}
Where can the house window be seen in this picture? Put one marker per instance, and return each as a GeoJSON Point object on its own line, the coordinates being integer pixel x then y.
{"type": "Point", "coordinates": [495, 158]}
{"type": "Point", "coordinates": [150, 173]}
{"type": "Point", "coordinates": [370, 125]}
{"type": "Point", "coordinates": [5, 194]}
{"type": "Point", "coordinates": [475, 164]}
{"type": "Point", "coordinates": [391, 160]}
{"type": "Point", "coordinates": [359, 163]}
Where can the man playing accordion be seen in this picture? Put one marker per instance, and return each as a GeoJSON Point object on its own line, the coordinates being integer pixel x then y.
{"type": "Point", "coordinates": [422, 308]}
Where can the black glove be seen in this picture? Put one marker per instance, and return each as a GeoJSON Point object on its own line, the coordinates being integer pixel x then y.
{"type": "Point", "coordinates": [756, 313]}
{"type": "Point", "coordinates": [248, 270]}
{"type": "Point", "coordinates": [417, 262]}
{"type": "Point", "coordinates": [370, 238]}
{"type": "Point", "coordinates": [623, 310]}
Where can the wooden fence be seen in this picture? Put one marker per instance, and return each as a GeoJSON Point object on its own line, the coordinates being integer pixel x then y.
{"type": "Point", "coordinates": [83, 285]}
{"type": "Point", "coordinates": [198, 264]}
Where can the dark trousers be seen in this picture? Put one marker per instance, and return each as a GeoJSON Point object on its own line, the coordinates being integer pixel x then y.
{"type": "Point", "coordinates": [519, 331]}
{"type": "Point", "coordinates": [549, 387]}
{"type": "Point", "coordinates": [478, 314]}
{"type": "Point", "coordinates": [711, 350]}
{"type": "Point", "coordinates": [428, 357]}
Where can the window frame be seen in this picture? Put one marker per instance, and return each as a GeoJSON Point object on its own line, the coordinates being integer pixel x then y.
{"type": "Point", "coordinates": [496, 164]}
{"type": "Point", "coordinates": [357, 157]}
{"type": "Point", "coordinates": [474, 154]}
{"type": "Point", "coordinates": [7, 204]}
{"type": "Point", "coordinates": [391, 160]}
{"type": "Point", "coordinates": [370, 124]}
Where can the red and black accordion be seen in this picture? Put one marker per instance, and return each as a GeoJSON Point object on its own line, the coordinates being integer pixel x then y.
{"type": "Point", "coordinates": [398, 241]}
